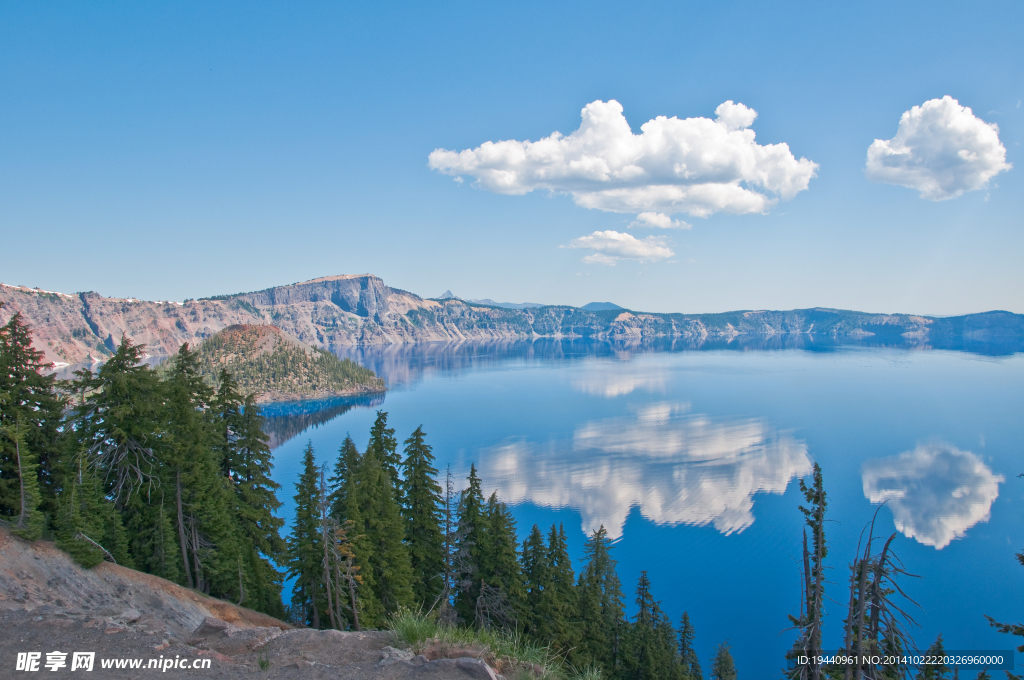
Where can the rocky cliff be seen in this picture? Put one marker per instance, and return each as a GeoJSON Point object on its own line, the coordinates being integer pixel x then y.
{"type": "Point", "coordinates": [361, 310]}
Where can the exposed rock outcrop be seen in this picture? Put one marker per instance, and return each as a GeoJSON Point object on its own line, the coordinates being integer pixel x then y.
{"type": "Point", "coordinates": [361, 310]}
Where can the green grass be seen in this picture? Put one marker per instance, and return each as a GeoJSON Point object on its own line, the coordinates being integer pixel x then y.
{"type": "Point", "coordinates": [518, 656]}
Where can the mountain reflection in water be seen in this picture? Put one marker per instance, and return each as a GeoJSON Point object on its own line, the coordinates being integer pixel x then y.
{"type": "Point", "coordinates": [678, 468]}
{"type": "Point", "coordinates": [285, 420]}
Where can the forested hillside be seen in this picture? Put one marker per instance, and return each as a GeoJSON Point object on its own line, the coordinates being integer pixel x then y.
{"type": "Point", "coordinates": [264, 361]}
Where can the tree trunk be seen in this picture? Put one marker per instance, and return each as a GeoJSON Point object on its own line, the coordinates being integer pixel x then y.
{"type": "Point", "coordinates": [181, 533]}
{"type": "Point", "coordinates": [200, 581]}
{"type": "Point", "coordinates": [24, 512]}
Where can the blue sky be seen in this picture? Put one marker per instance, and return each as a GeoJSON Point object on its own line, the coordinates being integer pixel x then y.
{"type": "Point", "coordinates": [174, 150]}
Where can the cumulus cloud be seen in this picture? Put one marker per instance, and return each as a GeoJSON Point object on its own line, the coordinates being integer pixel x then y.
{"type": "Point", "coordinates": [678, 468]}
{"type": "Point", "coordinates": [658, 221]}
{"type": "Point", "coordinates": [611, 246]}
{"type": "Point", "coordinates": [936, 492]}
{"type": "Point", "coordinates": [697, 166]}
{"type": "Point", "coordinates": [941, 149]}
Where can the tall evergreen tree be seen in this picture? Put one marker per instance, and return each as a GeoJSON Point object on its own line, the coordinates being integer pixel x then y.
{"type": "Point", "coordinates": [346, 485]}
{"type": "Point", "coordinates": [207, 533]}
{"type": "Point", "coordinates": [687, 654]}
{"type": "Point", "coordinates": [560, 601]}
{"type": "Point", "coordinates": [723, 667]}
{"type": "Point", "coordinates": [936, 671]}
{"type": "Point", "coordinates": [121, 426]}
{"type": "Point", "coordinates": [30, 416]}
{"type": "Point", "coordinates": [345, 474]}
{"type": "Point", "coordinates": [87, 524]}
{"type": "Point", "coordinates": [536, 570]}
{"type": "Point", "coordinates": [247, 460]}
{"type": "Point", "coordinates": [305, 549]}
{"type": "Point", "coordinates": [499, 569]}
{"type": "Point", "coordinates": [469, 543]}
{"type": "Point", "coordinates": [601, 619]}
{"type": "Point", "coordinates": [385, 448]}
{"type": "Point", "coordinates": [29, 520]}
{"type": "Point", "coordinates": [422, 511]}
{"type": "Point", "coordinates": [387, 563]}
{"type": "Point", "coordinates": [649, 651]}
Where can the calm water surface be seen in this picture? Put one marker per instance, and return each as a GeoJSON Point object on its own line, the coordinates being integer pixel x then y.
{"type": "Point", "coordinates": [690, 459]}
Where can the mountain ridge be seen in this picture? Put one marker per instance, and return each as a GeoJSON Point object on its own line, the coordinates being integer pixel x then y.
{"type": "Point", "coordinates": [350, 310]}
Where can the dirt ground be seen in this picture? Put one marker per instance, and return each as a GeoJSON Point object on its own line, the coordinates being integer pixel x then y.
{"type": "Point", "coordinates": [49, 604]}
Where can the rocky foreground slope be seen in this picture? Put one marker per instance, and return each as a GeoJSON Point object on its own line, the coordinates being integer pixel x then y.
{"type": "Point", "coordinates": [362, 310]}
{"type": "Point", "coordinates": [49, 604]}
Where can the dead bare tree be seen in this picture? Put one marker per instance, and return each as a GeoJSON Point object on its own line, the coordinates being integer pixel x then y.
{"type": "Point", "coordinates": [443, 600]}
{"type": "Point", "coordinates": [809, 623]}
{"type": "Point", "coordinates": [875, 623]}
{"type": "Point", "coordinates": [493, 609]}
{"type": "Point", "coordinates": [340, 571]}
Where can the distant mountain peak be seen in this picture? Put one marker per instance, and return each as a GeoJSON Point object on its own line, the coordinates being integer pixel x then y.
{"type": "Point", "coordinates": [600, 306]}
{"type": "Point", "coordinates": [448, 295]}
{"type": "Point", "coordinates": [507, 305]}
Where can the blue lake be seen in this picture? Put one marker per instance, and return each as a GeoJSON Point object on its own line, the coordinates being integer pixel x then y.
{"type": "Point", "coordinates": [690, 458]}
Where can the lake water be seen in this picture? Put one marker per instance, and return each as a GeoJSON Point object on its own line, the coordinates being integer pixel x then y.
{"type": "Point", "coordinates": [690, 458]}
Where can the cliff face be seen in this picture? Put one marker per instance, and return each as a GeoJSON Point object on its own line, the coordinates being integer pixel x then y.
{"type": "Point", "coordinates": [341, 311]}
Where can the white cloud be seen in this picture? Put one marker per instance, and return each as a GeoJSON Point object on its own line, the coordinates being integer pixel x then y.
{"type": "Point", "coordinates": [941, 149]}
{"type": "Point", "coordinates": [677, 468]}
{"type": "Point", "coordinates": [697, 166]}
{"type": "Point", "coordinates": [612, 246]}
{"type": "Point", "coordinates": [936, 492]}
{"type": "Point", "coordinates": [658, 221]}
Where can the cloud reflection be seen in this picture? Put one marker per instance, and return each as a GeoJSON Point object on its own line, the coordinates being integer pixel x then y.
{"type": "Point", "coordinates": [936, 492]}
{"type": "Point", "coordinates": [678, 468]}
{"type": "Point", "coordinates": [610, 384]}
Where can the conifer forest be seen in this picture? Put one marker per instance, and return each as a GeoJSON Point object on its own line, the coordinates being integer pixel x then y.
{"type": "Point", "coordinates": [165, 474]}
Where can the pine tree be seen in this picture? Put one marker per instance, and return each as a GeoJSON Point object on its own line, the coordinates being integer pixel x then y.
{"type": "Point", "coordinates": [345, 473]}
{"type": "Point", "coordinates": [208, 535]}
{"type": "Point", "coordinates": [501, 579]}
{"type": "Point", "coordinates": [723, 667]}
{"type": "Point", "coordinates": [387, 563]}
{"type": "Point", "coordinates": [29, 520]}
{"type": "Point", "coordinates": [687, 654]}
{"type": "Point", "coordinates": [87, 524]}
{"type": "Point", "coordinates": [120, 426]}
{"type": "Point", "coordinates": [248, 463]}
{"type": "Point", "coordinates": [469, 543]}
{"type": "Point", "coordinates": [385, 448]}
{"type": "Point", "coordinates": [345, 502]}
{"type": "Point", "coordinates": [560, 600]}
{"type": "Point", "coordinates": [33, 408]}
{"type": "Point", "coordinates": [649, 651]}
{"type": "Point", "coordinates": [537, 585]}
{"type": "Point", "coordinates": [938, 671]}
{"type": "Point", "coordinates": [422, 512]}
{"type": "Point", "coordinates": [305, 549]}
{"type": "Point", "coordinates": [600, 615]}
